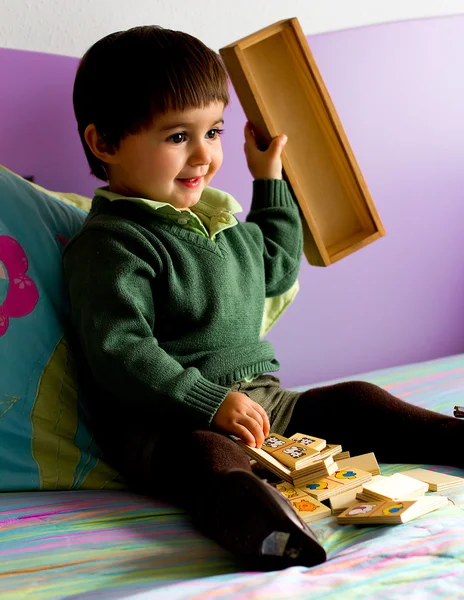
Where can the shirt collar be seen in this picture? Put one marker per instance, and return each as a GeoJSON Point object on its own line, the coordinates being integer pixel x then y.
{"type": "Point", "coordinates": [212, 202]}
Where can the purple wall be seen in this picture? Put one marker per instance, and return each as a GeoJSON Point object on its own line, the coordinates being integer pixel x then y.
{"type": "Point", "coordinates": [399, 90]}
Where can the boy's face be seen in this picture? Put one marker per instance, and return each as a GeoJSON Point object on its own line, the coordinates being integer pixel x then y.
{"type": "Point", "coordinates": [173, 160]}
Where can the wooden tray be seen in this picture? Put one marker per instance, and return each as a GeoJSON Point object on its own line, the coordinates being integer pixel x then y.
{"type": "Point", "coordinates": [281, 90]}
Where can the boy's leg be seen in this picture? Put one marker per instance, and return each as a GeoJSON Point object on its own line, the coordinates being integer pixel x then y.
{"type": "Point", "coordinates": [241, 512]}
{"type": "Point", "coordinates": [225, 499]}
{"type": "Point", "coordinates": [365, 418]}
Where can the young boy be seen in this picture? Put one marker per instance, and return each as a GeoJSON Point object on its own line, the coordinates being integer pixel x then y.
{"type": "Point", "coordinates": [167, 294]}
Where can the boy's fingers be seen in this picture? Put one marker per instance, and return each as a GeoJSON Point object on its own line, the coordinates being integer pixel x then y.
{"type": "Point", "coordinates": [266, 424]}
{"type": "Point", "coordinates": [244, 434]}
{"type": "Point", "coordinates": [254, 428]}
{"type": "Point", "coordinates": [278, 144]}
{"type": "Point", "coordinates": [249, 136]}
{"type": "Point", "coordinates": [263, 418]}
{"type": "Point", "coordinates": [257, 431]}
{"type": "Point", "coordinates": [255, 414]}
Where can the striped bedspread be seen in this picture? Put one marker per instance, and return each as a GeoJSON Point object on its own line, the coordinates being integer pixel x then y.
{"type": "Point", "coordinates": [86, 545]}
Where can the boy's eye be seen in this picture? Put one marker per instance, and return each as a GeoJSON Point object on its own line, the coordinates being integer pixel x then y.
{"type": "Point", "coordinates": [181, 136]}
{"type": "Point", "coordinates": [177, 138]}
{"type": "Point", "coordinates": [214, 133]}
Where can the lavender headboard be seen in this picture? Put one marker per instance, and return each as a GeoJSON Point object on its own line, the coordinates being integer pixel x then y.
{"type": "Point", "coordinates": [399, 90]}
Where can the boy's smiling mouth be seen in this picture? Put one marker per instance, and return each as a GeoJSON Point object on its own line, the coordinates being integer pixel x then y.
{"type": "Point", "coordinates": [192, 182]}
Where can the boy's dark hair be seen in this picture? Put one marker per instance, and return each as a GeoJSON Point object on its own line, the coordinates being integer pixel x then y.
{"type": "Point", "coordinates": [128, 77]}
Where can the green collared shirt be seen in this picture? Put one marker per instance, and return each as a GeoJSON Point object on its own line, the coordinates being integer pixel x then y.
{"type": "Point", "coordinates": [214, 212]}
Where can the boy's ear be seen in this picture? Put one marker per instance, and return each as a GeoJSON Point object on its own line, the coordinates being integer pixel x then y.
{"type": "Point", "coordinates": [99, 147]}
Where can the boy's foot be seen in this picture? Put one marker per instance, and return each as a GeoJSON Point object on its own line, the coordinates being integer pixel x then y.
{"type": "Point", "coordinates": [257, 524]}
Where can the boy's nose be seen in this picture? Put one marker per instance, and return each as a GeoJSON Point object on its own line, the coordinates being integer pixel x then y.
{"type": "Point", "coordinates": [200, 155]}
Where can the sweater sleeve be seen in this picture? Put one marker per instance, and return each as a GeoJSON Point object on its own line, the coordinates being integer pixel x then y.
{"type": "Point", "coordinates": [277, 215]}
{"type": "Point", "coordinates": [112, 280]}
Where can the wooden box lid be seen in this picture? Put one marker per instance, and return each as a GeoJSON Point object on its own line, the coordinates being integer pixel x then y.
{"type": "Point", "coordinates": [281, 90]}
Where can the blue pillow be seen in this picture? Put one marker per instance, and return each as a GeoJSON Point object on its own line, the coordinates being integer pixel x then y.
{"type": "Point", "coordinates": [44, 441]}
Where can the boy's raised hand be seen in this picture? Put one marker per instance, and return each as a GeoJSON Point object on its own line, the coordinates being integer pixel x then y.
{"type": "Point", "coordinates": [265, 164]}
{"type": "Point", "coordinates": [239, 415]}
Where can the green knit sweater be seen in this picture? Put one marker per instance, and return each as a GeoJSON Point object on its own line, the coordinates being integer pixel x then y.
{"type": "Point", "coordinates": [172, 318]}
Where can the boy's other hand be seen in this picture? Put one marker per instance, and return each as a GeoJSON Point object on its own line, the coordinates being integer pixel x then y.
{"type": "Point", "coordinates": [265, 164]}
{"type": "Point", "coordinates": [239, 415]}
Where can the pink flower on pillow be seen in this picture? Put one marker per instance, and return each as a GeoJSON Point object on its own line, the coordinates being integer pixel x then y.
{"type": "Point", "coordinates": [22, 294]}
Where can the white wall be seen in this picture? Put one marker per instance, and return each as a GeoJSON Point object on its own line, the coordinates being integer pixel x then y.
{"type": "Point", "coordinates": [69, 27]}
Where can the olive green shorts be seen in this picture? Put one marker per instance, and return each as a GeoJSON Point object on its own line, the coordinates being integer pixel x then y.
{"type": "Point", "coordinates": [278, 403]}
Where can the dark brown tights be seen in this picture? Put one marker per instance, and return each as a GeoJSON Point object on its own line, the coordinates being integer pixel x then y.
{"type": "Point", "coordinates": [148, 462]}
{"type": "Point", "coordinates": [365, 418]}
{"type": "Point", "coordinates": [360, 416]}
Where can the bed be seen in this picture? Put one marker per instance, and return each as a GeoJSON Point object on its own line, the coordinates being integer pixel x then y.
{"type": "Point", "coordinates": [112, 544]}
{"type": "Point", "coordinates": [68, 530]}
